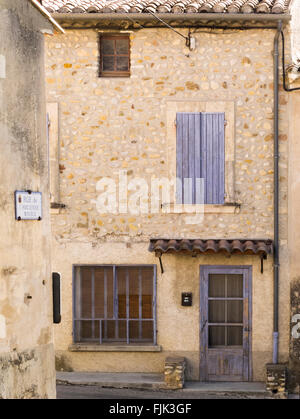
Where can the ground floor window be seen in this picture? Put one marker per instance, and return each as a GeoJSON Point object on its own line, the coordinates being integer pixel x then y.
{"type": "Point", "coordinates": [114, 303]}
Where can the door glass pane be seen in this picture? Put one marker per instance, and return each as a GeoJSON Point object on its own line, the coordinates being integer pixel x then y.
{"type": "Point", "coordinates": [235, 336]}
{"type": "Point", "coordinates": [235, 286]}
{"type": "Point", "coordinates": [216, 335]}
{"type": "Point", "coordinates": [216, 311]}
{"type": "Point", "coordinates": [235, 311]}
{"type": "Point", "coordinates": [216, 286]}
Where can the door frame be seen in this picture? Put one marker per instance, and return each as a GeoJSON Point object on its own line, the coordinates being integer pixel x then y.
{"type": "Point", "coordinates": [203, 337]}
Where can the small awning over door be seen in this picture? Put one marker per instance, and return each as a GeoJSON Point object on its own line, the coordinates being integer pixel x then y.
{"type": "Point", "coordinates": [262, 247]}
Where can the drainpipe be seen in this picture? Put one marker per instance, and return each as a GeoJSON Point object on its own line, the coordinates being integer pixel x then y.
{"type": "Point", "coordinates": [276, 193]}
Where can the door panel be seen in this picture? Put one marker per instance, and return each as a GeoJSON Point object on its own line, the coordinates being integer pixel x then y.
{"type": "Point", "coordinates": [225, 318]}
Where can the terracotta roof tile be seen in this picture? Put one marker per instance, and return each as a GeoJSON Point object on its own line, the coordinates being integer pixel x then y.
{"type": "Point", "coordinates": [167, 6]}
{"type": "Point", "coordinates": [194, 246]}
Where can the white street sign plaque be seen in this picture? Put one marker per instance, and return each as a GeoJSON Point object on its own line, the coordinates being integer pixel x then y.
{"type": "Point", "coordinates": [28, 205]}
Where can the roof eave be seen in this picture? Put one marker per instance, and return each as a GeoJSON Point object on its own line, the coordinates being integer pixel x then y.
{"type": "Point", "coordinates": [284, 17]}
{"type": "Point", "coordinates": [47, 15]}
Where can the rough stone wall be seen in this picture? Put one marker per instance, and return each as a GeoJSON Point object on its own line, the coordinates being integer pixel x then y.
{"type": "Point", "coordinates": [106, 125]}
{"type": "Point", "coordinates": [109, 124]}
{"type": "Point", "coordinates": [26, 345]}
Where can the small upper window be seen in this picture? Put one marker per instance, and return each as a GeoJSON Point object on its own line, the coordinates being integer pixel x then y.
{"type": "Point", "coordinates": [114, 56]}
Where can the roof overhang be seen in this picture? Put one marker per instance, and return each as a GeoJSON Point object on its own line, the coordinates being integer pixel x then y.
{"type": "Point", "coordinates": [138, 20]}
{"type": "Point", "coordinates": [263, 247]}
{"type": "Point", "coordinates": [47, 15]}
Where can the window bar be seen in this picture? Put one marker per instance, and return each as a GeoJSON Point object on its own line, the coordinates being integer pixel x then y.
{"type": "Point", "coordinates": [225, 305]}
{"type": "Point", "coordinates": [127, 306]}
{"type": "Point", "coordinates": [154, 306]}
{"type": "Point", "coordinates": [140, 304]}
{"type": "Point", "coordinates": [80, 304]}
{"type": "Point", "coordinates": [115, 297]}
{"type": "Point", "coordinates": [105, 303]}
{"type": "Point", "coordinates": [100, 331]}
{"type": "Point", "coordinates": [93, 303]}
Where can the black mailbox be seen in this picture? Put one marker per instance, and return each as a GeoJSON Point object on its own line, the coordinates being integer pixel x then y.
{"type": "Point", "coordinates": [186, 299]}
{"type": "Point", "coordinates": [56, 297]}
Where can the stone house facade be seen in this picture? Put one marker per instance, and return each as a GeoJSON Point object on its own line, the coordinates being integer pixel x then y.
{"type": "Point", "coordinates": [26, 335]}
{"type": "Point", "coordinates": [144, 278]}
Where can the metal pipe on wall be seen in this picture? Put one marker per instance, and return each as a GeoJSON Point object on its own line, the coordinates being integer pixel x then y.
{"type": "Point", "coordinates": [276, 196]}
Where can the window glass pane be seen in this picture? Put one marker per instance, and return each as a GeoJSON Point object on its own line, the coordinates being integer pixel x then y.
{"type": "Point", "coordinates": [147, 292]}
{"type": "Point", "coordinates": [107, 46]}
{"type": "Point", "coordinates": [108, 63]}
{"type": "Point", "coordinates": [122, 46]}
{"type": "Point", "coordinates": [110, 293]}
{"type": "Point", "coordinates": [216, 286]}
{"type": "Point", "coordinates": [216, 335]}
{"type": "Point", "coordinates": [134, 290]}
{"type": "Point", "coordinates": [122, 64]}
{"type": "Point", "coordinates": [86, 293]}
{"type": "Point", "coordinates": [147, 308]}
{"type": "Point", "coordinates": [122, 329]}
{"type": "Point", "coordinates": [86, 329]}
{"type": "Point", "coordinates": [147, 330]}
{"type": "Point", "coordinates": [216, 311]}
{"type": "Point", "coordinates": [110, 326]}
{"type": "Point", "coordinates": [130, 292]}
{"type": "Point", "coordinates": [121, 284]}
{"type": "Point", "coordinates": [99, 292]}
{"type": "Point", "coordinates": [235, 311]}
{"type": "Point", "coordinates": [235, 286]}
{"type": "Point", "coordinates": [133, 330]}
{"type": "Point", "coordinates": [235, 336]}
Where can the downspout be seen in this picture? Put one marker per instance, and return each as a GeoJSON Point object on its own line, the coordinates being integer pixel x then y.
{"type": "Point", "coordinates": [276, 194]}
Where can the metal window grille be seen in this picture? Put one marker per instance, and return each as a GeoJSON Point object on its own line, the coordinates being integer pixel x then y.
{"type": "Point", "coordinates": [114, 303]}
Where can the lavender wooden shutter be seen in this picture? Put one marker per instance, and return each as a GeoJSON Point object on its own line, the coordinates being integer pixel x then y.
{"type": "Point", "coordinates": [200, 154]}
{"type": "Point", "coordinates": [213, 154]}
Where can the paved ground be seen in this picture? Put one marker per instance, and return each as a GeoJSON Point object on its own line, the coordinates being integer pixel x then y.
{"type": "Point", "coordinates": [65, 391]}
{"type": "Point", "coordinates": [95, 385]}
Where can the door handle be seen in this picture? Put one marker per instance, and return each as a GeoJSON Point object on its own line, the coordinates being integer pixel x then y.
{"type": "Point", "coordinates": [247, 329]}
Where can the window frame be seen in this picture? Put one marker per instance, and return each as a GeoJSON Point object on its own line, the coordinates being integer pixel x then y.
{"type": "Point", "coordinates": [114, 73]}
{"type": "Point", "coordinates": [128, 341]}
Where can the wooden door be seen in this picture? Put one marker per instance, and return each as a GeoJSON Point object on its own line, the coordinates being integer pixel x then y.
{"type": "Point", "coordinates": [225, 323]}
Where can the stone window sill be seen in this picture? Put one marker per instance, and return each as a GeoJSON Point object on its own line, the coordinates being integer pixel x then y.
{"type": "Point", "coordinates": [81, 347]}
{"type": "Point", "coordinates": [228, 208]}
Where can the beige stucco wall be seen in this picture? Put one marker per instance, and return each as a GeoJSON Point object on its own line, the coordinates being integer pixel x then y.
{"type": "Point", "coordinates": [106, 125]}
{"type": "Point", "coordinates": [26, 342]}
{"type": "Point", "coordinates": [178, 327]}
{"type": "Point", "coordinates": [294, 227]}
